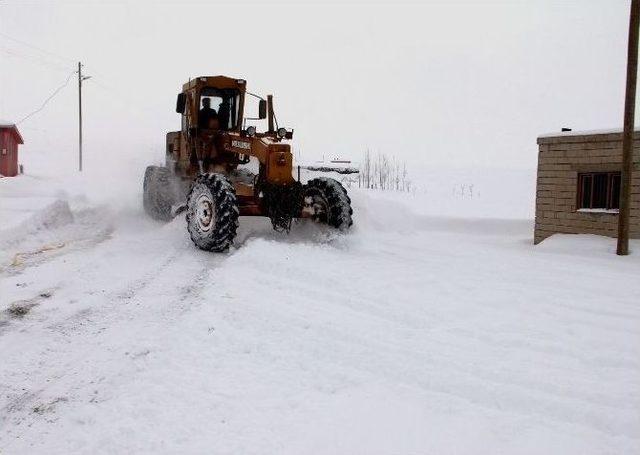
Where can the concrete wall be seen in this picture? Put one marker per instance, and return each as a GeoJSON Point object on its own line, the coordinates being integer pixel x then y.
{"type": "Point", "coordinates": [560, 159]}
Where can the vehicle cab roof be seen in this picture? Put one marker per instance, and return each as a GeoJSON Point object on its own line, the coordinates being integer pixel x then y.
{"type": "Point", "coordinates": [214, 81]}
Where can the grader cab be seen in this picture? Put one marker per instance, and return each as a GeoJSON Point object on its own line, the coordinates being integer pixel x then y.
{"type": "Point", "coordinates": [208, 169]}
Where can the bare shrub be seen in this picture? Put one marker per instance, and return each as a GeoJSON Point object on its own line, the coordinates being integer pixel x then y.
{"type": "Point", "coordinates": [383, 173]}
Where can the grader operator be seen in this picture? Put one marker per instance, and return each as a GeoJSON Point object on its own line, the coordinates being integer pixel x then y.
{"type": "Point", "coordinates": [206, 169]}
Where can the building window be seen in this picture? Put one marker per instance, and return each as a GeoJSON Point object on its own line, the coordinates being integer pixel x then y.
{"type": "Point", "coordinates": [599, 190]}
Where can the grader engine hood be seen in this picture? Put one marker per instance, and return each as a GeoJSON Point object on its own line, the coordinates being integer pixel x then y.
{"type": "Point", "coordinates": [275, 156]}
{"type": "Point", "coordinates": [280, 164]}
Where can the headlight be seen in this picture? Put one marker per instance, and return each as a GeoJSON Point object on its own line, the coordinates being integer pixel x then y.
{"type": "Point", "coordinates": [251, 131]}
{"type": "Point", "coordinates": [282, 132]}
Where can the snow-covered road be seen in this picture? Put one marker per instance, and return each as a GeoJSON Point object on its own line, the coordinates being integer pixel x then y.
{"type": "Point", "coordinates": [410, 335]}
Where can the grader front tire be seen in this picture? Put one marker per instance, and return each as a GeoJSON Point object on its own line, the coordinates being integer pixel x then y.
{"type": "Point", "coordinates": [212, 212]}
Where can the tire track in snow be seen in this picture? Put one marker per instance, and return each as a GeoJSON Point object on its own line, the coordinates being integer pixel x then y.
{"type": "Point", "coordinates": [452, 369]}
{"type": "Point", "coordinates": [122, 306]}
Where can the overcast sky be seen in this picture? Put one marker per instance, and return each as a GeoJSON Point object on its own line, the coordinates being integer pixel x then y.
{"type": "Point", "coordinates": [466, 84]}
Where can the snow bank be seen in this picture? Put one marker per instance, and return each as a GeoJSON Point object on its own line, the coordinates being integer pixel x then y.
{"type": "Point", "coordinates": [43, 213]}
{"type": "Point", "coordinates": [459, 193]}
{"type": "Point", "coordinates": [27, 207]}
{"type": "Point", "coordinates": [39, 215]}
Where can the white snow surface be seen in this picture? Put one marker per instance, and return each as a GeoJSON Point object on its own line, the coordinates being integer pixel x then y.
{"type": "Point", "coordinates": [585, 132]}
{"type": "Point", "coordinates": [6, 123]}
{"type": "Point", "coordinates": [415, 333]}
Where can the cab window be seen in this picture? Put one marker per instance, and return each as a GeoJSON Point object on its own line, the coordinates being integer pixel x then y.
{"type": "Point", "coordinates": [225, 103]}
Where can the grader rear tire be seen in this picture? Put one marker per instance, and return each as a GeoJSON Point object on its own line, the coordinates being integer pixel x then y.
{"type": "Point", "coordinates": [157, 197]}
{"type": "Point", "coordinates": [212, 212]}
{"type": "Point", "coordinates": [329, 202]}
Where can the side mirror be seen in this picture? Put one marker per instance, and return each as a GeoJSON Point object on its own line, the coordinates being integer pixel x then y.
{"type": "Point", "coordinates": [181, 102]}
{"type": "Point", "coordinates": [262, 109]}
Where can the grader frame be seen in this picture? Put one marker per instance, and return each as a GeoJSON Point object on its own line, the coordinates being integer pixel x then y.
{"type": "Point", "coordinates": [202, 175]}
{"type": "Point", "coordinates": [194, 150]}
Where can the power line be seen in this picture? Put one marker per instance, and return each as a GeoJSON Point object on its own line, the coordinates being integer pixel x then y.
{"type": "Point", "coordinates": [32, 46]}
{"type": "Point", "coordinates": [55, 92]}
{"type": "Point", "coordinates": [34, 59]}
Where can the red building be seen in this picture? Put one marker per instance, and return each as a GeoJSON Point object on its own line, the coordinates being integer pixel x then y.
{"type": "Point", "coordinates": [9, 140]}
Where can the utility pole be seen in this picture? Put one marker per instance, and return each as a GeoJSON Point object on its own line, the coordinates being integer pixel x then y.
{"type": "Point", "coordinates": [627, 135]}
{"type": "Point", "coordinates": [80, 79]}
{"type": "Point", "coordinates": [80, 116]}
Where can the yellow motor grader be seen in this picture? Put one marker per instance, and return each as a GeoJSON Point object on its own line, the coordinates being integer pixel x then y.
{"type": "Point", "coordinates": [207, 170]}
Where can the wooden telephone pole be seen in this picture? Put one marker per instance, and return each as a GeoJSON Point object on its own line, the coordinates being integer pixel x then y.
{"type": "Point", "coordinates": [80, 79]}
{"type": "Point", "coordinates": [627, 138]}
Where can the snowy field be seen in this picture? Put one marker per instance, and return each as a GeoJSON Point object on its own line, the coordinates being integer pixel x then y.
{"type": "Point", "coordinates": [431, 328]}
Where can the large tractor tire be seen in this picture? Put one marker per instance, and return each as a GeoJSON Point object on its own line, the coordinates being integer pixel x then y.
{"type": "Point", "coordinates": [157, 193]}
{"type": "Point", "coordinates": [327, 200]}
{"type": "Point", "coordinates": [212, 212]}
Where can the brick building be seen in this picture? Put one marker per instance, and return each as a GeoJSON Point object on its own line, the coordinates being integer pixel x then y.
{"type": "Point", "coordinates": [578, 184]}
